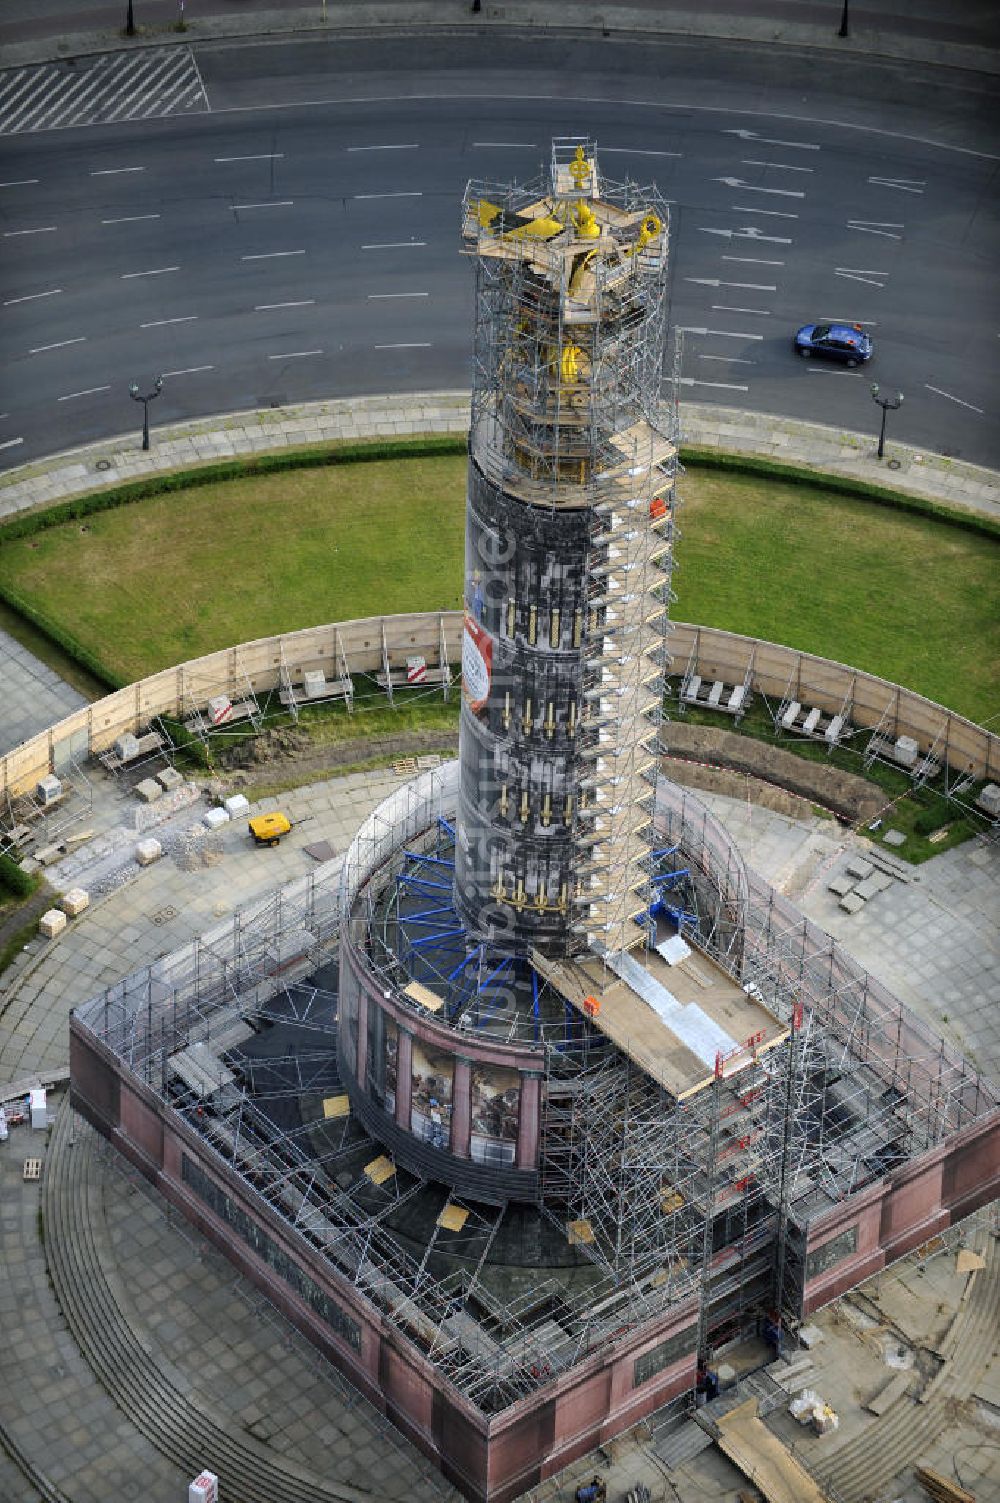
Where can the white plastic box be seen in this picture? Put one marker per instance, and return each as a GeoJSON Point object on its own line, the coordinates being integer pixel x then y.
{"type": "Point", "coordinates": [38, 1110]}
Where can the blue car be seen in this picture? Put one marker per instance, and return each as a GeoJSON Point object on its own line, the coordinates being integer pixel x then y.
{"type": "Point", "coordinates": [845, 342]}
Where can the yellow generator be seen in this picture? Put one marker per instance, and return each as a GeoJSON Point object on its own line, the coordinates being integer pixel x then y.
{"type": "Point", "coordinates": [267, 829]}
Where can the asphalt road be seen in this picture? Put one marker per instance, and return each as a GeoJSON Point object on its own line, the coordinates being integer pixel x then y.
{"type": "Point", "coordinates": [292, 233]}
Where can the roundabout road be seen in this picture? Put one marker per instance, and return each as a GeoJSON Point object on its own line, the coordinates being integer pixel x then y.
{"type": "Point", "coordinates": [292, 232]}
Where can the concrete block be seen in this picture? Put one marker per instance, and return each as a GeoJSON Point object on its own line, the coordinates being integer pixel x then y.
{"type": "Point", "coordinates": [841, 885]}
{"type": "Point", "coordinates": [75, 901]}
{"type": "Point", "coordinates": [237, 804]}
{"type": "Point", "coordinates": [894, 837]}
{"type": "Point", "coordinates": [851, 903]}
{"type": "Point", "coordinates": [169, 778]}
{"type": "Point", "coordinates": [51, 923]}
{"type": "Point", "coordinates": [989, 800]}
{"type": "Point", "coordinates": [214, 819]}
{"type": "Point", "coordinates": [149, 790]}
{"type": "Point", "coordinates": [905, 751]}
{"type": "Point", "coordinates": [869, 887]}
{"type": "Point", "coordinates": [148, 851]}
{"type": "Point", "coordinates": [859, 868]}
{"type": "Point", "coordinates": [126, 746]}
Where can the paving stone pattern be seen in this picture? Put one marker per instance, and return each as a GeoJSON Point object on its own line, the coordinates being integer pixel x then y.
{"type": "Point", "coordinates": [32, 696]}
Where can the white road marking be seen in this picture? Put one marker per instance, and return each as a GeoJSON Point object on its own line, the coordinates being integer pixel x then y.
{"type": "Point", "coordinates": [31, 296]}
{"type": "Point", "coordinates": [405, 146]}
{"type": "Point", "coordinates": [189, 370]}
{"type": "Point", "coordinates": [751, 135]}
{"type": "Point", "coordinates": [295, 354]}
{"type": "Point", "coordinates": [158, 323]}
{"type": "Point", "coordinates": [826, 370]}
{"type": "Point", "coordinates": [308, 302]}
{"type": "Point", "coordinates": [875, 227]}
{"type": "Point", "coordinates": [44, 229]}
{"type": "Point", "coordinates": [11, 443]}
{"type": "Point", "coordinates": [718, 385]}
{"type": "Point", "coordinates": [277, 203]}
{"type": "Point", "coordinates": [264, 156]}
{"type": "Point", "coordinates": [376, 297]}
{"type": "Point", "coordinates": [747, 286]}
{"type": "Point", "coordinates": [719, 333]}
{"type": "Point", "coordinates": [870, 278]}
{"type": "Point", "coordinates": [729, 359]}
{"type": "Point", "coordinates": [835, 318]}
{"type": "Point", "coordinates": [406, 193]}
{"type": "Point", "coordinates": [22, 182]}
{"type": "Point", "coordinates": [41, 349]}
{"type": "Point", "coordinates": [636, 151]}
{"type": "Point", "coordinates": [771, 213]}
{"type": "Point", "coordinates": [157, 271]}
{"type": "Point", "coordinates": [114, 171]}
{"type": "Point", "coordinates": [739, 182]}
{"type": "Point", "coordinates": [904, 184]}
{"type": "Point", "coordinates": [939, 393]}
{"type": "Point", "coordinates": [751, 261]}
{"type": "Point", "coordinates": [727, 308]}
{"type": "Point", "coordinates": [394, 245]}
{"type": "Point", "coordinates": [130, 219]}
{"type": "Point", "coordinates": [88, 391]}
{"type": "Point", "coordinates": [782, 166]}
{"type": "Point", "coordinates": [272, 255]}
{"type": "Point", "coordinates": [748, 232]}
{"type": "Point", "coordinates": [510, 145]}
{"type": "Point", "coordinates": [402, 346]}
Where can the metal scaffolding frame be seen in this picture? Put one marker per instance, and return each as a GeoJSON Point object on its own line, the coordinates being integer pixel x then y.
{"type": "Point", "coordinates": [699, 1206]}
{"type": "Point", "coordinates": [568, 355]}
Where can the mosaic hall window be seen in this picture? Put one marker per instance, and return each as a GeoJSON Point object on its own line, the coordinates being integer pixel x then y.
{"type": "Point", "coordinates": [431, 1102]}
{"type": "Point", "coordinates": [495, 1100]}
{"type": "Point", "coordinates": [383, 1047]}
{"type": "Point", "coordinates": [823, 1258]}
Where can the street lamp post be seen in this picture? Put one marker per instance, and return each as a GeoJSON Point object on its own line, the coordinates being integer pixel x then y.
{"type": "Point", "coordinates": [844, 29]}
{"type": "Point", "coordinates": [129, 21]}
{"type": "Point", "coordinates": [145, 398]}
{"type": "Point", "coordinates": [886, 403]}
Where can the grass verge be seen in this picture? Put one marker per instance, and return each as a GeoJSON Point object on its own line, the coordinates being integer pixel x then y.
{"type": "Point", "coordinates": [301, 538]}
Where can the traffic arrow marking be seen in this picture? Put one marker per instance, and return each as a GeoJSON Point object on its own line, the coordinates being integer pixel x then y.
{"type": "Point", "coordinates": [738, 182]}
{"type": "Point", "coordinates": [751, 135]}
{"type": "Point", "coordinates": [749, 286]}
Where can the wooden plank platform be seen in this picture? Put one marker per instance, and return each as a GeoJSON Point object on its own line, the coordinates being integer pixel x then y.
{"type": "Point", "coordinates": [423, 996]}
{"type": "Point", "coordinates": [641, 1033]}
{"type": "Point", "coordinates": [765, 1459]}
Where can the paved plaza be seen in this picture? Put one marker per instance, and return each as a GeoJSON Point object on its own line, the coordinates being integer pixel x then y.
{"type": "Point", "coordinates": [32, 696]}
